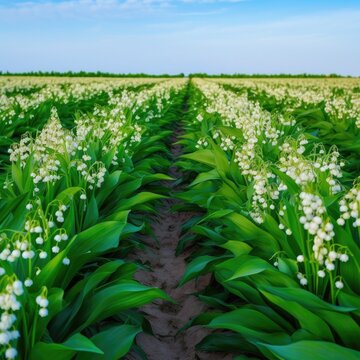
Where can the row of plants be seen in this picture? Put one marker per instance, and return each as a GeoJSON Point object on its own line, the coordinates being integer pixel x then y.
{"type": "Point", "coordinates": [280, 231]}
{"type": "Point", "coordinates": [71, 205]}
{"type": "Point", "coordinates": [326, 109]}
{"type": "Point", "coordinates": [25, 105]}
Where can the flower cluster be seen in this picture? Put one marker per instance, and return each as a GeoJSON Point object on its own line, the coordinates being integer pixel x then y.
{"type": "Point", "coordinates": [294, 164]}
{"type": "Point", "coordinates": [202, 143]}
{"type": "Point", "coordinates": [9, 305]}
{"type": "Point", "coordinates": [43, 303]}
{"type": "Point", "coordinates": [350, 207]}
{"type": "Point", "coordinates": [315, 221]}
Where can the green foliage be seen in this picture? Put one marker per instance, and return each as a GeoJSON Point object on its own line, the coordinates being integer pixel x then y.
{"type": "Point", "coordinates": [79, 219]}
{"type": "Point", "coordinates": [265, 310]}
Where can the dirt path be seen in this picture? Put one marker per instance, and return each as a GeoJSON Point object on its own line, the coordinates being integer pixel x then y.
{"type": "Point", "coordinates": [167, 269]}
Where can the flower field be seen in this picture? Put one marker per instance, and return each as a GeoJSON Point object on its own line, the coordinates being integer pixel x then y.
{"type": "Point", "coordinates": [266, 195]}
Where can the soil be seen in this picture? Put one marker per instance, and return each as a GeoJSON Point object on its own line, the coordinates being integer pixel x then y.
{"type": "Point", "coordinates": [166, 318]}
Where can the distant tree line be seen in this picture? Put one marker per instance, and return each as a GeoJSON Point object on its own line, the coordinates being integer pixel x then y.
{"type": "Point", "coordinates": [235, 76]}
{"type": "Point", "coordinates": [88, 74]}
{"type": "Point", "coordinates": [181, 75]}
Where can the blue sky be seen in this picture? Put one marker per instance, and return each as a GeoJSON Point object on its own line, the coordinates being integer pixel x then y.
{"type": "Point", "coordinates": [166, 36]}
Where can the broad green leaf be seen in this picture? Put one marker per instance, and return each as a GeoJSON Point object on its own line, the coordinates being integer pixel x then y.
{"type": "Point", "coordinates": [138, 199]}
{"type": "Point", "coordinates": [92, 213]}
{"type": "Point", "coordinates": [206, 157]}
{"type": "Point", "coordinates": [84, 246]}
{"type": "Point", "coordinates": [114, 342]}
{"type": "Point", "coordinates": [75, 296]}
{"type": "Point", "coordinates": [251, 324]}
{"type": "Point", "coordinates": [207, 176]}
{"type": "Point", "coordinates": [287, 266]}
{"type": "Point", "coordinates": [216, 215]}
{"type": "Point", "coordinates": [241, 289]}
{"type": "Point", "coordinates": [198, 267]}
{"type": "Point", "coordinates": [247, 230]}
{"type": "Point", "coordinates": [113, 299]}
{"type": "Point", "coordinates": [345, 326]}
{"type": "Point", "coordinates": [226, 343]}
{"type": "Point", "coordinates": [65, 351]}
{"type": "Point", "coordinates": [244, 265]}
{"type": "Point", "coordinates": [110, 183]}
{"type": "Point", "coordinates": [307, 319]}
{"type": "Point", "coordinates": [306, 299]}
{"type": "Point", "coordinates": [319, 350]}
{"type": "Point", "coordinates": [238, 248]}
{"type": "Point", "coordinates": [97, 239]}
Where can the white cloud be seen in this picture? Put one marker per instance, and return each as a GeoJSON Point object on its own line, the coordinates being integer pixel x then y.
{"type": "Point", "coordinates": [82, 8]}
{"type": "Point", "coordinates": [97, 8]}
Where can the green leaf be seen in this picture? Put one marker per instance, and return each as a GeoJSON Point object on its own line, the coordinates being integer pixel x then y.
{"type": "Point", "coordinates": [247, 230]}
{"type": "Point", "coordinates": [218, 214]}
{"type": "Point", "coordinates": [110, 183]}
{"type": "Point", "coordinates": [138, 199]}
{"type": "Point", "coordinates": [206, 176]}
{"type": "Point", "coordinates": [307, 319]}
{"type": "Point", "coordinates": [292, 216]}
{"type": "Point", "coordinates": [114, 342]}
{"type": "Point", "coordinates": [12, 210]}
{"type": "Point", "coordinates": [251, 324]}
{"type": "Point", "coordinates": [65, 351]}
{"type": "Point", "coordinates": [221, 160]}
{"type": "Point", "coordinates": [226, 343]}
{"type": "Point", "coordinates": [199, 266]}
{"type": "Point", "coordinates": [305, 298]}
{"type": "Point", "coordinates": [97, 239]}
{"type": "Point", "coordinates": [126, 189]}
{"type": "Point", "coordinates": [113, 299]}
{"type": "Point", "coordinates": [92, 213]}
{"type": "Point", "coordinates": [345, 326]}
{"type": "Point", "coordinates": [241, 289]}
{"type": "Point", "coordinates": [75, 296]}
{"type": "Point", "coordinates": [287, 266]}
{"type": "Point", "coordinates": [231, 131]}
{"type": "Point", "coordinates": [201, 319]}
{"type": "Point", "coordinates": [17, 176]}
{"type": "Point", "coordinates": [206, 157]}
{"type": "Point", "coordinates": [307, 349]}
{"type": "Point", "coordinates": [244, 265]}
{"type": "Point", "coordinates": [82, 247]}
{"type": "Point", "coordinates": [156, 177]}
{"type": "Point", "coordinates": [238, 248]}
